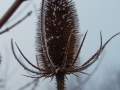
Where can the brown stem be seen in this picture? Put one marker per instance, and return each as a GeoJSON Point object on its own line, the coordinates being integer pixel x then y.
{"type": "Point", "coordinates": [10, 11]}
{"type": "Point", "coordinates": [60, 80]}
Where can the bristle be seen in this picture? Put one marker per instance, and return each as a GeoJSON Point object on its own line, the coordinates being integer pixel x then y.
{"type": "Point", "coordinates": [60, 21]}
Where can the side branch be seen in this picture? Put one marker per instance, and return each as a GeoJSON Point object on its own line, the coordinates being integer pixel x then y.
{"type": "Point", "coordinates": [28, 84]}
{"type": "Point", "coordinates": [10, 12]}
{"type": "Point", "coordinates": [7, 29]}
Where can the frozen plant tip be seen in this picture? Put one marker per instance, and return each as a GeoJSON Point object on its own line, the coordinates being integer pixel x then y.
{"type": "Point", "coordinates": [58, 43]}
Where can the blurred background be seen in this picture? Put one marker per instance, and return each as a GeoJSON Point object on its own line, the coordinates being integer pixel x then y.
{"type": "Point", "coordinates": [94, 16]}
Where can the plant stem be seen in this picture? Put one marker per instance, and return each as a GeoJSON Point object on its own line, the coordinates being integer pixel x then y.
{"type": "Point", "coordinates": [60, 80]}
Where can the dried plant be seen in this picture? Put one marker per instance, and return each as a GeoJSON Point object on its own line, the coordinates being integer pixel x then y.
{"type": "Point", "coordinates": [58, 43]}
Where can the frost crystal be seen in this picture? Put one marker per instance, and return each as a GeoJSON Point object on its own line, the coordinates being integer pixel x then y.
{"type": "Point", "coordinates": [56, 70]}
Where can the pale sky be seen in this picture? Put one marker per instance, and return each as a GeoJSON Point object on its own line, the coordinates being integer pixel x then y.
{"type": "Point", "coordinates": [94, 16]}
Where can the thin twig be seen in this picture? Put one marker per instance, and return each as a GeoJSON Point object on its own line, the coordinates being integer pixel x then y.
{"type": "Point", "coordinates": [81, 83]}
{"type": "Point", "coordinates": [35, 85]}
{"type": "Point", "coordinates": [10, 12]}
{"type": "Point", "coordinates": [17, 15]}
{"type": "Point", "coordinates": [95, 69]}
{"type": "Point", "coordinates": [7, 29]}
{"type": "Point", "coordinates": [28, 84]}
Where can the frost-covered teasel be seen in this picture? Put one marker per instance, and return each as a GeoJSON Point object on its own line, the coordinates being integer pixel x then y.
{"type": "Point", "coordinates": [58, 42]}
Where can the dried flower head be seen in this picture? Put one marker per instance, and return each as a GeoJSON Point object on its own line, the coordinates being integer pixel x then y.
{"type": "Point", "coordinates": [58, 42]}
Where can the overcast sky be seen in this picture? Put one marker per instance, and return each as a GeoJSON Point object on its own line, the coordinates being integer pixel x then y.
{"type": "Point", "coordinates": [94, 16]}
